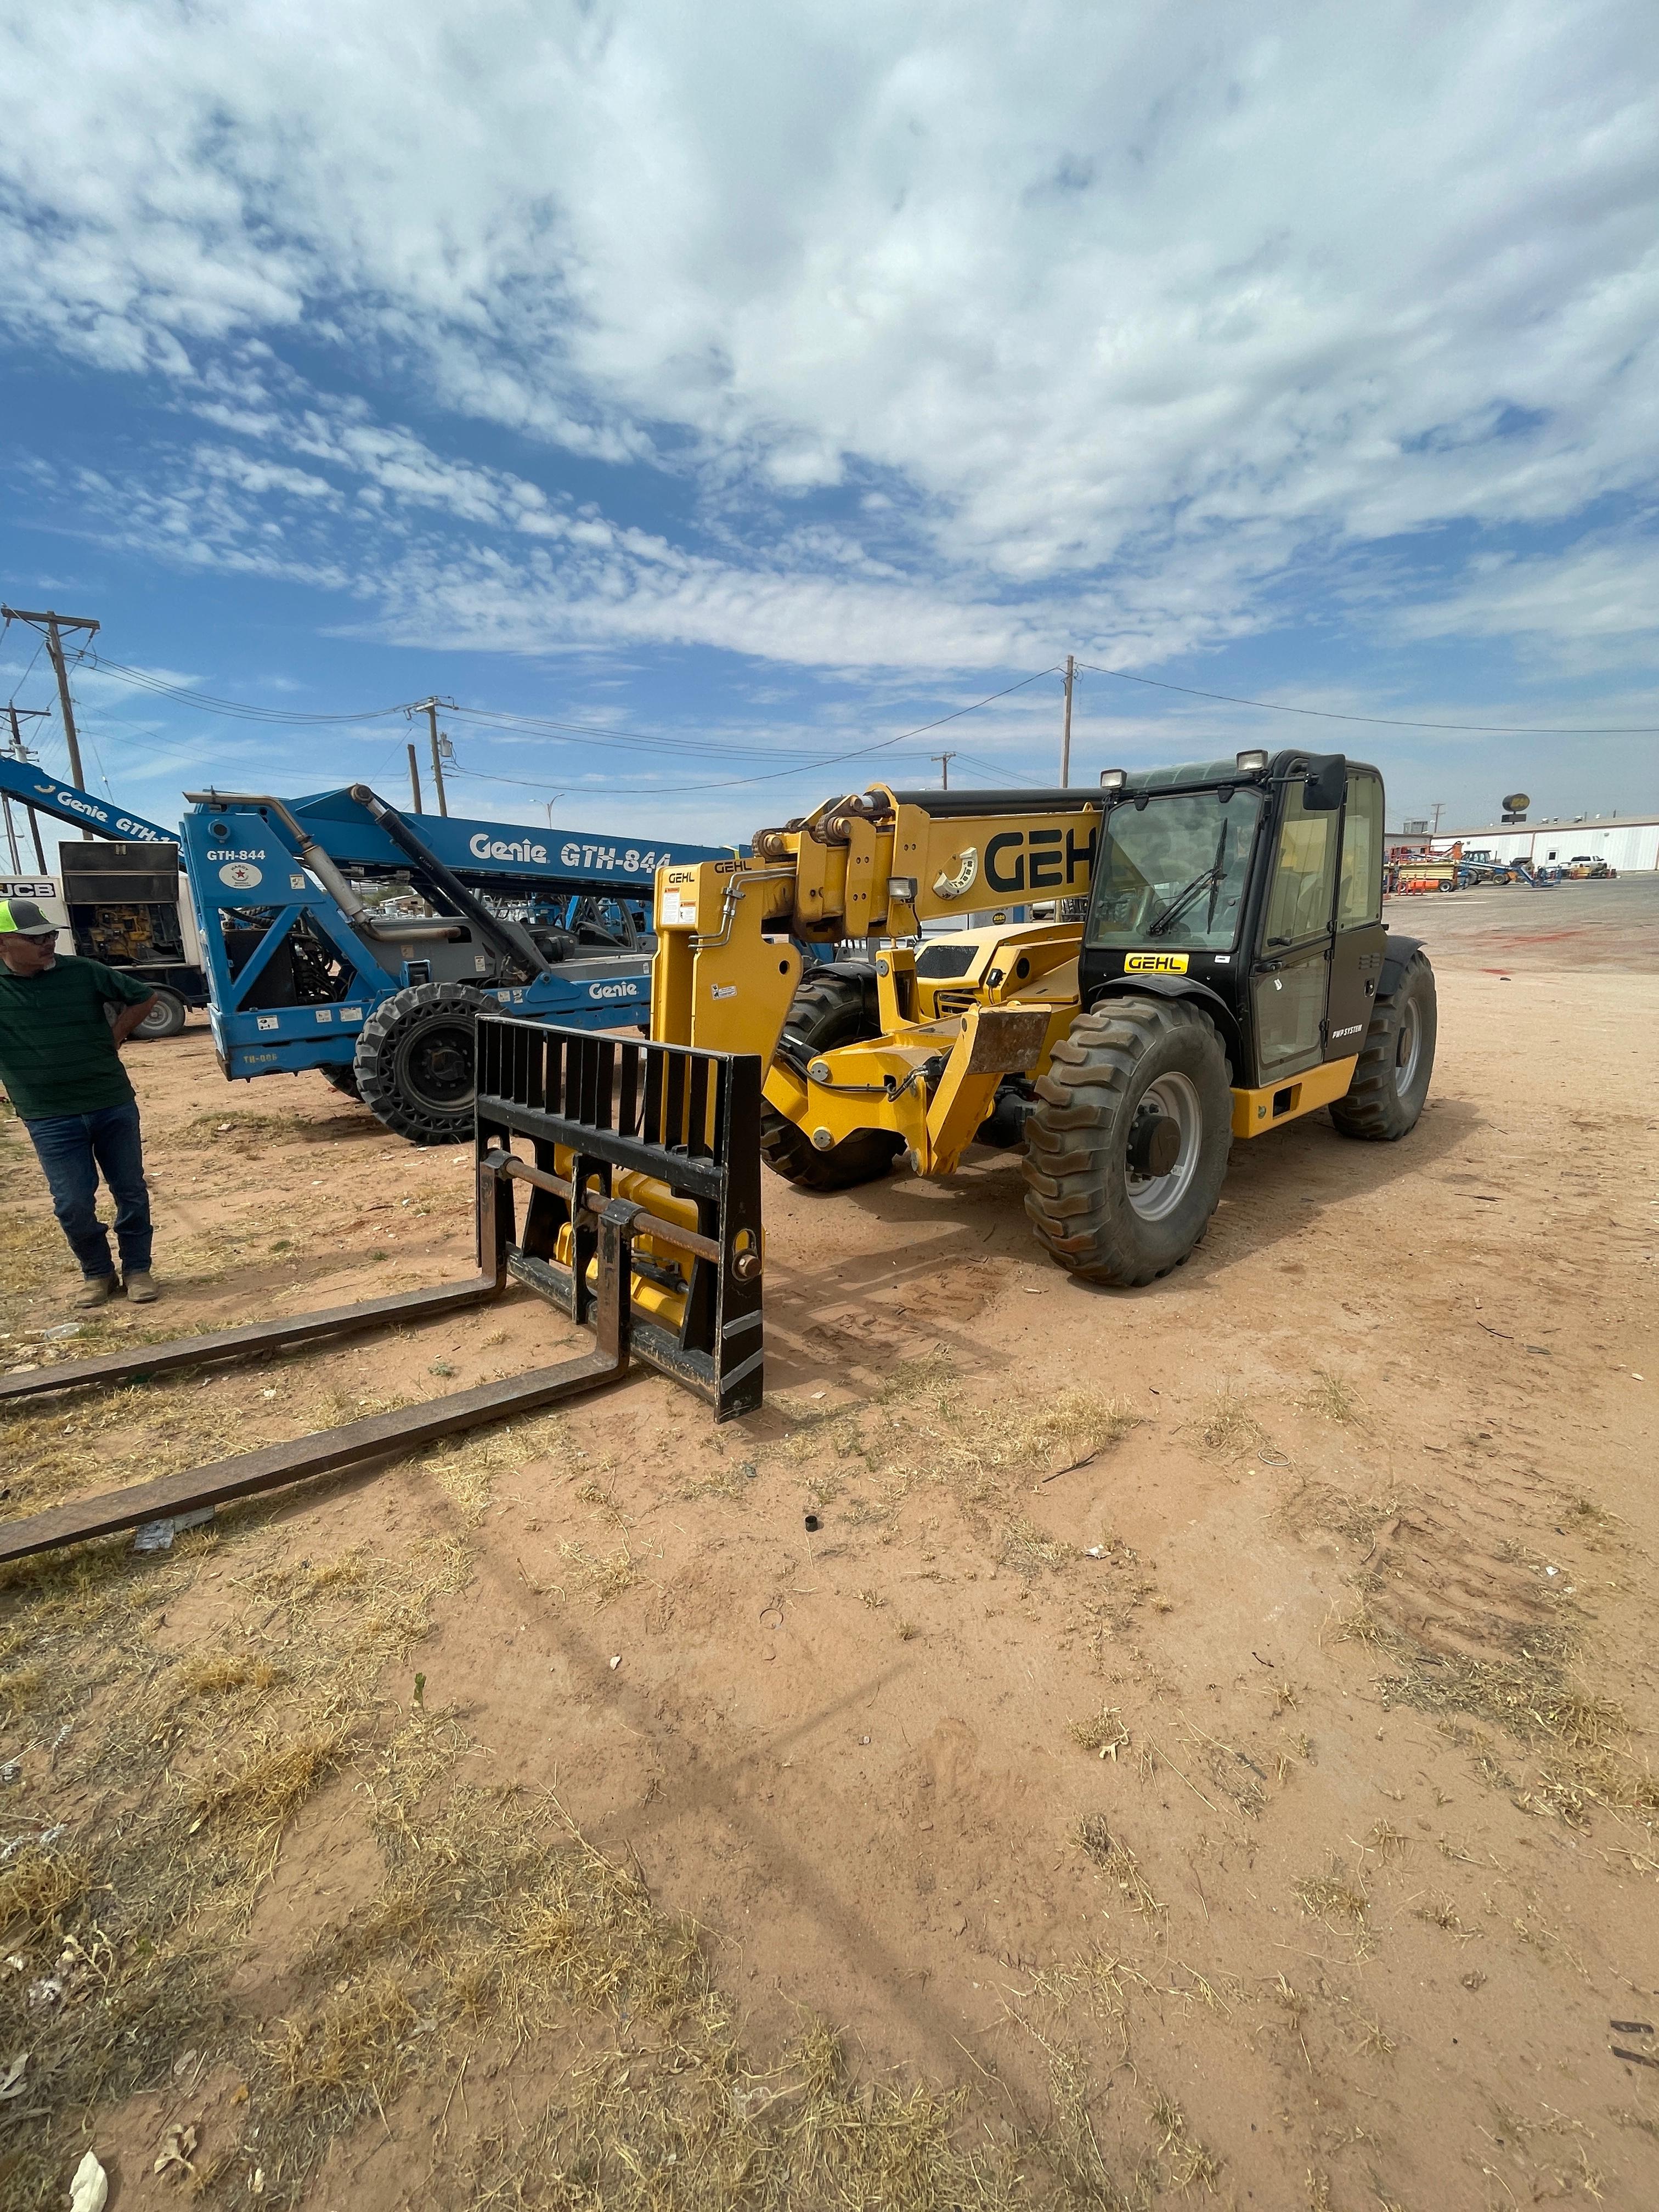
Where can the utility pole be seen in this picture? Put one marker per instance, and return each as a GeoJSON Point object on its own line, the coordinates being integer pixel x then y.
{"type": "Point", "coordinates": [20, 751]}
{"type": "Point", "coordinates": [437, 757]}
{"type": "Point", "coordinates": [944, 761]}
{"type": "Point", "coordinates": [1439, 809]}
{"type": "Point", "coordinates": [429, 708]}
{"type": "Point", "coordinates": [414, 778]}
{"type": "Point", "coordinates": [54, 623]}
{"type": "Point", "coordinates": [1065, 729]}
{"type": "Point", "coordinates": [549, 804]}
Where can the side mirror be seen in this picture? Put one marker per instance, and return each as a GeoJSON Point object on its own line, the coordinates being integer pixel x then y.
{"type": "Point", "coordinates": [1327, 784]}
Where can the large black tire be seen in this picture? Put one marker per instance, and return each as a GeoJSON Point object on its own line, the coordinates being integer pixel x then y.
{"type": "Point", "coordinates": [1134, 1081]}
{"type": "Point", "coordinates": [1396, 1060]}
{"type": "Point", "coordinates": [341, 1077]}
{"type": "Point", "coordinates": [830, 1008]}
{"type": "Point", "coordinates": [415, 1062]}
{"type": "Point", "coordinates": [165, 1018]}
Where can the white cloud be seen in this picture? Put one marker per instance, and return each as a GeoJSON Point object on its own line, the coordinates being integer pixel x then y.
{"type": "Point", "coordinates": [1591, 607]}
{"type": "Point", "coordinates": [1124, 313]}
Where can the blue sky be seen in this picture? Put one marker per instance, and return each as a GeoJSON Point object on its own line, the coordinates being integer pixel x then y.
{"type": "Point", "coordinates": [751, 387]}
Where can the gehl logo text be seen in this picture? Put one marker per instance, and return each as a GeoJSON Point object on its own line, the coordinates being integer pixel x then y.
{"type": "Point", "coordinates": [1039, 859]}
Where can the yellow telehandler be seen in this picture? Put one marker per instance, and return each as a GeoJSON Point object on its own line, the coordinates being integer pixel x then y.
{"type": "Point", "coordinates": [1181, 957]}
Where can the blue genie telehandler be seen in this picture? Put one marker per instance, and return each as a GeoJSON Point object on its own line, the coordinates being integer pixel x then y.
{"type": "Point", "coordinates": [340, 934]}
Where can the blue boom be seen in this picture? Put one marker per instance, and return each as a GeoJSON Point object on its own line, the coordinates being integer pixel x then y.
{"type": "Point", "coordinates": [343, 935]}
{"type": "Point", "coordinates": [67, 802]}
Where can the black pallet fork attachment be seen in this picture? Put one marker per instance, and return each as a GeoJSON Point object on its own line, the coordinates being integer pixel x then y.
{"type": "Point", "coordinates": [723, 1268]}
{"type": "Point", "coordinates": [618, 1109]}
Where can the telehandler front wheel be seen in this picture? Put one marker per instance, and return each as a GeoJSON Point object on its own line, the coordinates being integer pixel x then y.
{"type": "Point", "coordinates": [1396, 1060]}
{"type": "Point", "coordinates": [1127, 1152]}
{"type": "Point", "coordinates": [830, 1008]}
{"type": "Point", "coordinates": [414, 1062]}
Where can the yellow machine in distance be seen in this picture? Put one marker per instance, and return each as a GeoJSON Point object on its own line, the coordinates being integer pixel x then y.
{"type": "Point", "coordinates": [1202, 957]}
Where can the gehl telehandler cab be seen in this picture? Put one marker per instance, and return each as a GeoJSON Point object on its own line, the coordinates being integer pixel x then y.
{"type": "Point", "coordinates": [1205, 960]}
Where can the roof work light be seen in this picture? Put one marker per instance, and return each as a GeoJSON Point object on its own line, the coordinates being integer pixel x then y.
{"type": "Point", "coordinates": [1251, 763]}
{"type": "Point", "coordinates": [1112, 779]}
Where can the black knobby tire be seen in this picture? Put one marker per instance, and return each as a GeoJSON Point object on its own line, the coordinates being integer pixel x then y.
{"type": "Point", "coordinates": [1396, 1060]}
{"type": "Point", "coordinates": [828, 1009]}
{"type": "Point", "coordinates": [1124, 1066]}
{"type": "Point", "coordinates": [415, 1062]}
{"type": "Point", "coordinates": [165, 1018]}
{"type": "Point", "coordinates": [341, 1077]}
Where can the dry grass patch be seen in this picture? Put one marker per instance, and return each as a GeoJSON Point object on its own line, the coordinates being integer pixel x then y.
{"type": "Point", "coordinates": [1114, 1858]}
{"type": "Point", "coordinates": [1191, 2165]}
{"type": "Point", "coordinates": [1580, 1742]}
{"type": "Point", "coordinates": [236, 1129]}
{"type": "Point", "coordinates": [1313, 1505]}
{"type": "Point", "coordinates": [217, 1673]}
{"type": "Point", "coordinates": [1224, 1424]}
{"type": "Point", "coordinates": [1334, 1897]}
{"type": "Point", "coordinates": [1331, 1397]}
{"type": "Point", "coordinates": [41, 1891]}
{"type": "Point", "coordinates": [1103, 1732]}
{"type": "Point", "coordinates": [468, 1467]}
{"type": "Point", "coordinates": [258, 1791]}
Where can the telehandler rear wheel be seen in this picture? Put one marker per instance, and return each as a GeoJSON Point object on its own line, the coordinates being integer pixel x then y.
{"type": "Point", "coordinates": [1127, 1152]}
{"type": "Point", "coordinates": [341, 1076]}
{"type": "Point", "coordinates": [828, 1009]}
{"type": "Point", "coordinates": [1396, 1060]}
{"type": "Point", "coordinates": [415, 1062]}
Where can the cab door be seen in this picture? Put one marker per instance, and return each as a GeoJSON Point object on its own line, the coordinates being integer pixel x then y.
{"type": "Point", "coordinates": [1290, 980]}
{"type": "Point", "coordinates": [1357, 948]}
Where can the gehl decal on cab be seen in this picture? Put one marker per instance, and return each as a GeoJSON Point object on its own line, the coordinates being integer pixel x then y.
{"type": "Point", "coordinates": [1039, 859]}
{"type": "Point", "coordinates": [1155, 963]}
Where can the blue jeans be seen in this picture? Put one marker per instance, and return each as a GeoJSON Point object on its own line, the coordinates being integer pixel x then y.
{"type": "Point", "coordinates": [72, 1147]}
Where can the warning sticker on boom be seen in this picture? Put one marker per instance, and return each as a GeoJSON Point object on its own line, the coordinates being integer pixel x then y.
{"type": "Point", "coordinates": [1155, 963]}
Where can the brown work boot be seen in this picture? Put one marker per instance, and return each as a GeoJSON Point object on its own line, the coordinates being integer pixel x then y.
{"type": "Point", "coordinates": [141, 1288]}
{"type": "Point", "coordinates": [96, 1291]}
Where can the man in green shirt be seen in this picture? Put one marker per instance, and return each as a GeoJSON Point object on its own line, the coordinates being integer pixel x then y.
{"type": "Point", "coordinates": [60, 1060]}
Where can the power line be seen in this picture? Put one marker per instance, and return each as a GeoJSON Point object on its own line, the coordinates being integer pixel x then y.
{"type": "Point", "coordinates": [992, 768]}
{"type": "Point", "coordinates": [39, 649]}
{"type": "Point", "coordinates": [1379, 721]}
{"type": "Point", "coordinates": [857, 752]}
{"type": "Point", "coordinates": [208, 704]}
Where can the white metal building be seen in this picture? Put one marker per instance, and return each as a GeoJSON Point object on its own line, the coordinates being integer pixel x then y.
{"type": "Point", "coordinates": [1625, 842]}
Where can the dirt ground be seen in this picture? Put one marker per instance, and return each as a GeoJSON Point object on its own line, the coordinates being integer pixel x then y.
{"type": "Point", "coordinates": [1199, 1745]}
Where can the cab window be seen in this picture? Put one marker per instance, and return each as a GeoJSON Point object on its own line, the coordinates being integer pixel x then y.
{"type": "Point", "coordinates": [1304, 873]}
{"type": "Point", "coordinates": [1359, 899]}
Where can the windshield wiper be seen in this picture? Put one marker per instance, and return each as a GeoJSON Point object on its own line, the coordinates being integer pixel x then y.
{"type": "Point", "coordinates": [1179, 904]}
{"type": "Point", "coordinates": [1205, 880]}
